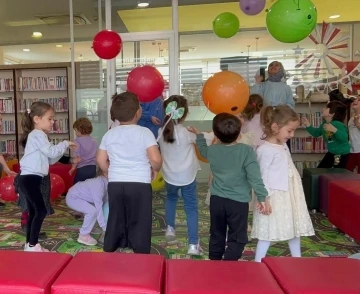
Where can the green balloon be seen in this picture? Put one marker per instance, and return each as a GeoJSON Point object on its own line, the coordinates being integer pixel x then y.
{"type": "Point", "coordinates": [290, 21]}
{"type": "Point", "coordinates": [226, 25]}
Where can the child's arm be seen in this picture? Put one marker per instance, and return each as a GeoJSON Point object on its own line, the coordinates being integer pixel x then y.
{"type": "Point", "coordinates": [154, 156]}
{"type": "Point", "coordinates": [6, 168]}
{"type": "Point", "coordinates": [200, 141]}
{"type": "Point", "coordinates": [315, 132]}
{"type": "Point", "coordinates": [50, 150]}
{"type": "Point", "coordinates": [339, 129]}
{"type": "Point", "coordinates": [102, 159]}
{"type": "Point", "coordinates": [76, 155]}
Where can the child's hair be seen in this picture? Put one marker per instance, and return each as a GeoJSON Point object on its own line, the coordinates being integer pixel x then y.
{"type": "Point", "coordinates": [111, 111]}
{"type": "Point", "coordinates": [226, 127]}
{"type": "Point", "coordinates": [168, 132]}
{"type": "Point", "coordinates": [27, 123]}
{"type": "Point", "coordinates": [124, 107]}
{"type": "Point", "coordinates": [253, 107]}
{"type": "Point", "coordinates": [83, 125]}
{"type": "Point", "coordinates": [281, 115]}
{"type": "Point", "coordinates": [338, 109]}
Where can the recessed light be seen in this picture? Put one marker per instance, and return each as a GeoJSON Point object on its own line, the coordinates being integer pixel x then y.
{"type": "Point", "coordinates": [26, 50]}
{"type": "Point", "coordinates": [334, 16]}
{"type": "Point", "coordinates": [143, 4]}
{"type": "Point", "coordinates": [36, 35]}
{"type": "Point", "coordinates": [59, 46]}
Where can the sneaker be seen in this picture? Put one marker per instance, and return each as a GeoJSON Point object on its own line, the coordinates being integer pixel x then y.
{"type": "Point", "coordinates": [194, 249]}
{"type": "Point", "coordinates": [36, 248]}
{"type": "Point", "coordinates": [87, 240]}
{"type": "Point", "coordinates": [26, 246]}
{"type": "Point", "coordinates": [170, 236]}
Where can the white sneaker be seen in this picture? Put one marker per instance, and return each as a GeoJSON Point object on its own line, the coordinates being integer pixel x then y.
{"type": "Point", "coordinates": [87, 240]}
{"type": "Point", "coordinates": [36, 248]}
{"type": "Point", "coordinates": [26, 246]}
{"type": "Point", "coordinates": [194, 249]}
{"type": "Point", "coordinates": [170, 235]}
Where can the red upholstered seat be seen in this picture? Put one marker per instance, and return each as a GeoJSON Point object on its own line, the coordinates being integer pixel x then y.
{"type": "Point", "coordinates": [316, 275]}
{"type": "Point", "coordinates": [29, 272]}
{"type": "Point", "coordinates": [91, 272]}
{"type": "Point", "coordinates": [215, 277]}
{"type": "Point", "coordinates": [344, 203]}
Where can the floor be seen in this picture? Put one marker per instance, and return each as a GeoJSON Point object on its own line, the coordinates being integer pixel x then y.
{"type": "Point", "coordinates": [62, 231]}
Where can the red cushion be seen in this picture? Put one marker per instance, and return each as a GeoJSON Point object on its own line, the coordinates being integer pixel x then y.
{"type": "Point", "coordinates": [29, 272]}
{"type": "Point", "coordinates": [344, 203]}
{"type": "Point", "coordinates": [316, 275]}
{"type": "Point", "coordinates": [91, 272]}
{"type": "Point", "coordinates": [215, 277]}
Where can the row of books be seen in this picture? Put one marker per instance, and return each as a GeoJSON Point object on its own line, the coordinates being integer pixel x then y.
{"type": "Point", "coordinates": [8, 147]}
{"type": "Point", "coordinates": [6, 85]}
{"type": "Point", "coordinates": [307, 145]}
{"type": "Point", "coordinates": [315, 118]}
{"type": "Point", "coordinates": [42, 83]}
{"type": "Point", "coordinates": [60, 126]}
{"type": "Point", "coordinates": [7, 105]}
{"type": "Point", "coordinates": [301, 165]}
{"type": "Point", "coordinates": [59, 104]}
{"type": "Point", "coordinates": [8, 127]}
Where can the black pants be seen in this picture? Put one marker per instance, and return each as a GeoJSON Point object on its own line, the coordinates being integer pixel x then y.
{"type": "Point", "coordinates": [130, 217]}
{"type": "Point", "coordinates": [31, 187]}
{"type": "Point", "coordinates": [84, 173]}
{"type": "Point", "coordinates": [329, 161]}
{"type": "Point", "coordinates": [226, 213]}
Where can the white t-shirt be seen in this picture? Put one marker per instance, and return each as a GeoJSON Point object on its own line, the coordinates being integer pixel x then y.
{"type": "Point", "coordinates": [354, 134]}
{"type": "Point", "coordinates": [126, 147]}
{"type": "Point", "coordinates": [180, 163]}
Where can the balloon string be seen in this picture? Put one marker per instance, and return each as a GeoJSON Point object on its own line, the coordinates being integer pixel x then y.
{"type": "Point", "coordinates": [298, 4]}
{"type": "Point", "coordinates": [207, 110]}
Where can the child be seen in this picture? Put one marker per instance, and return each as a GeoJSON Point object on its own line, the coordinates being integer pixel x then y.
{"type": "Point", "coordinates": [36, 123]}
{"type": "Point", "coordinates": [4, 166]}
{"type": "Point", "coordinates": [353, 161]}
{"type": "Point", "coordinates": [235, 171]}
{"type": "Point", "coordinates": [88, 198]}
{"type": "Point", "coordinates": [335, 135]}
{"type": "Point", "coordinates": [130, 155]}
{"type": "Point", "coordinates": [286, 216]}
{"type": "Point", "coordinates": [86, 169]}
{"type": "Point", "coordinates": [180, 166]}
{"type": "Point", "coordinates": [152, 115]}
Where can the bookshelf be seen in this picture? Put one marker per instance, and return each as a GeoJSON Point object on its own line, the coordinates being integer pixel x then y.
{"type": "Point", "coordinates": [22, 85]}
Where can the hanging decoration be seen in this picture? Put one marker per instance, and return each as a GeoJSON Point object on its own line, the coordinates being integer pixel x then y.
{"type": "Point", "coordinates": [327, 45]}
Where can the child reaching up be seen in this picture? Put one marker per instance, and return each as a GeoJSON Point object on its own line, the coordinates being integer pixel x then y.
{"type": "Point", "coordinates": [335, 135]}
{"type": "Point", "coordinates": [88, 198]}
{"type": "Point", "coordinates": [354, 134]}
{"type": "Point", "coordinates": [36, 123]}
{"type": "Point", "coordinates": [286, 217]}
{"type": "Point", "coordinates": [235, 171]}
{"type": "Point", "coordinates": [180, 166]}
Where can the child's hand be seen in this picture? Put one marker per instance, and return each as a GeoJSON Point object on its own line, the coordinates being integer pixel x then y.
{"type": "Point", "coordinates": [268, 208]}
{"type": "Point", "coordinates": [155, 121]}
{"type": "Point", "coordinates": [260, 206]}
{"type": "Point", "coordinates": [330, 128]}
{"type": "Point", "coordinates": [154, 174]}
{"type": "Point", "coordinates": [193, 130]}
{"type": "Point", "coordinates": [10, 172]}
{"type": "Point", "coordinates": [73, 145]}
{"type": "Point", "coordinates": [305, 122]}
{"type": "Point", "coordinates": [71, 171]}
{"type": "Point", "coordinates": [75, 160]}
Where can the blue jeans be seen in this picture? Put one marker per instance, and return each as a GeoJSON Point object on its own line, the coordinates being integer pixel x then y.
{"type": "Point", "coordinates": [189, 196]}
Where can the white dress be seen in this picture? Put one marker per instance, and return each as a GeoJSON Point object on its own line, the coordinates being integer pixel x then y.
{"type": "Point", "coordinates": [290, 217]}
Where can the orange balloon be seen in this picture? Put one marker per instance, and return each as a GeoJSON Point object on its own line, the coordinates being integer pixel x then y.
{"type": "Point", "coordinates": [226, 91]}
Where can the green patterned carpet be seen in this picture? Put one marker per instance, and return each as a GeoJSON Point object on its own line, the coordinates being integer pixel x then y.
{"type": "Point", "coordinates": [62, 232]}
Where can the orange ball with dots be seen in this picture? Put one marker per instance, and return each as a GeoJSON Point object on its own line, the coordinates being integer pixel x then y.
{"type": "Point", "coordinates": [226, 91]}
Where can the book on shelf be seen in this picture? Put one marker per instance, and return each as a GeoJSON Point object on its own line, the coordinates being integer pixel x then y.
{"type": "Point", "coordinates": [60, 126]}
{"type": "Point", "coordinates": [307, 145]}
{"type": "Point", "coordinates": [315, 118]}
{"type": "Point", "coordinates": [7, 105]}
{"type": "Point", "coordinates": [8, 147]}
{"type": "Point", "coordinates": [59, 104]}
{"type": "Point", "coordinates": [42, 83]}
{"type": "Point", "coordinates": [6, 85]}
{"type": "Point", "coordinates": [56, 141]}
{"type": "Point", "coordinates": [7, 127]}
{"type": "Point", "coordinates": [301, 165]}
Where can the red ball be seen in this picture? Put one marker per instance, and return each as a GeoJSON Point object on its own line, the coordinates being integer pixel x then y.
{"type": "Point", "coordinates": [57, 186]}
{"type": "Point", "coordinates": [7, 189]}
{"type": "Point", "coordinates": [107, 44]}
{"type": "Point", "coordinates": [146, 82]}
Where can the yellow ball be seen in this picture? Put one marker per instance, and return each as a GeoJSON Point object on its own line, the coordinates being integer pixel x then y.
{"type": "Point", "coordinates": [158, 183]}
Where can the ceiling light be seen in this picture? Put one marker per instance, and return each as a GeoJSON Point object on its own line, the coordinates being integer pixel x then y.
{"type": "Point", "coordinates": [335, 16]}
{"type": "Point", "coordinates": [143, 4]}
{"type": "Point", "coordinates": [36, 35]}
{"type": "Point", "coordinates": [26, 50]}
{"type": "Point", "coordinates": [59, 46]}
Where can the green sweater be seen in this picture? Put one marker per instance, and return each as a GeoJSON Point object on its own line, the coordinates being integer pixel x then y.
{"type": "Point", "coordinates": [338, 142]}
{"type": "Point", "coordinates": [235, 170]}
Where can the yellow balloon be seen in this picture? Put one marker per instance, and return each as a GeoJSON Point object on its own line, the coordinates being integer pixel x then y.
{"type": "Point", "coordinates": [158, 183]}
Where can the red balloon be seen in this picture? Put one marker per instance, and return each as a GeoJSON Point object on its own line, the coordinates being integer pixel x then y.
{"type": "Point", "coordinates": [146, 82]}
{"type": "Point", "coordinates": [57, 186]}
{"type": "Point", "coordinates": [7, 189]}
{"type": "Point", "coordinates": [107, 44]}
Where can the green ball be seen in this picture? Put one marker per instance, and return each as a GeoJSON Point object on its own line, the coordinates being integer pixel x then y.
{"type": "Point", "coordinates": [290, 21]}
{"type": "Point", "coordinates": [226, 25]}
